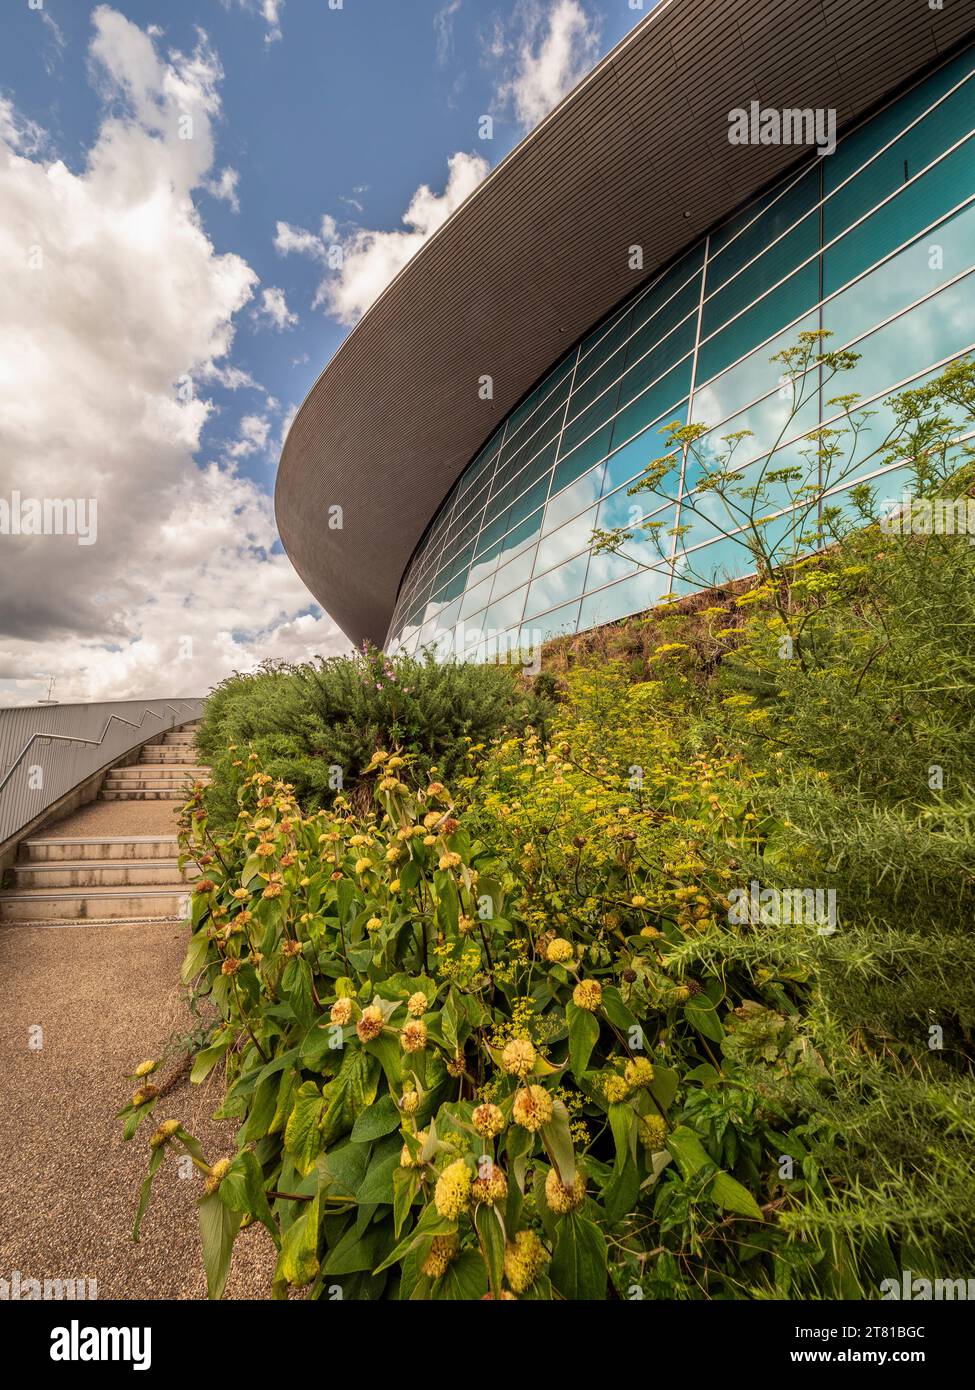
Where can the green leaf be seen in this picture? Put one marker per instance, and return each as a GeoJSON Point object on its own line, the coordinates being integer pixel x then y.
{"type": "Point", "coordinates": [205, 1061]}
{"type": "Point", "coordinates": [663, 1087]}
{"type": "Point", "coordinates": [702, 1015]}
{"type": "Point", "coordinates": [464, 1281]}
{"type": "Point", "coordinates": [583, 1036]}
{"type": "Point", "coordinates": [558, 1142]}
{"type": "Point", "coordinates": [302, 1135]}
{"type": "Point", "coordinates": [218, 1226]}
{"type": "Point", "coordinates": [579, 1264]}
{"type": "Point", "coordinates": [195, 958]}
{"type": "Point", "coordinates": [349, 1094]}
{"type": "Point", "coordinates": [731, 1196]}
{"type": "Point", "coordinates": [406, 1182]}
{"type": "Point", "coordinates": [381, 1118]}
{"type": "Point", "coordinates": [155, 1162]}
{"type": "Point", "coordinates": [490, 1233]}
{"type": "Point", "coordinates": [377, 1185]}
{"type": "Point", "coordinates": [687, 1151]}
{"type": "Point", "coordinates": [298, 1261]}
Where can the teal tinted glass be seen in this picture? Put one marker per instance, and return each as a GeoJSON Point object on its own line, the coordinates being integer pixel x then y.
{"type": "Point", "coordinates": [511, 547]}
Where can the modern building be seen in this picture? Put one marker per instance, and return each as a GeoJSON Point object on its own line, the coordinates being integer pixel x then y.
{"type": "Point", "coordinates": [628, 265]}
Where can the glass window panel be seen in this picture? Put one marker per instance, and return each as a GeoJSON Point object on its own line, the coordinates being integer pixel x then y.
{"type": "Point", "coordinates": [590, 452]}
{"type": "Point", "coordinates": [915, 207]}
{"type": "Point", "coordinates": [779, 217]}
{"type": "Point", "coordinates": [763, 320]}
{"type": "Point", "coordinates": [647, 550]}
{"type": "Point", "coordinates": [766, 420]}
{"type": "Point", "coordinates": [652, 404]}
{"type": "Point", "coordinates": [604, 375]}
{"type": "Point", "coordinates": [506, 611]}
{"type": "Point", "coordinates": [589, 420]}
{"type": "Point", "coordinates": [655, 363]}
{"type": "Point", "coordinates": [513, 574]}
{"type": "Point", "coordinates": [662, 323]}
{"type": "Point", "coordinates": [573, 499]}
{"type": "Point", "coordinates": [484, 565]}
{"type": "Point", "coordinates": [939, 328]}
{"type": "Point", "coordinates": [633, 595]}
{"type": "Point", "coordinates": [558, 587]}
{"type": "Point", "coordinates": [562, 620]}
{"type": "Point", "coordinates": [476, 598]}
{"type": "Point", "coordinates": [857, 147]}
{"type": "Point", "coordinates": [908, 275]}
{"type": "Point", "coordinates": [772, 266]}
{"type": "Point", "coordinates": [565, 542]}
{"type": "Point", "coordinates": [525, 504]}
{"type": "Point", "coordinates": [626, 463]}
{"type": "Point", "coordinates": [521, 536]}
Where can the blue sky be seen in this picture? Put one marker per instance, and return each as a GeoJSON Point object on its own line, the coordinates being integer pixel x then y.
{"type": "Point", "coordinates": [255, 244]}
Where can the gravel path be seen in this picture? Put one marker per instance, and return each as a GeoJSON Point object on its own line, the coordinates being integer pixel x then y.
{"type": "Point", "coordinates": [106, 998]}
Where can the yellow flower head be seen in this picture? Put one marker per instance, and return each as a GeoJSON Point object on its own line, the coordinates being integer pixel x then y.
{"type": "Point", "coordinates": [588, 994]}
{"type": "Point", "coordinates": [146, 1068]}
{"type": "Point", "coordinates": [653, 1132]}
{"type": "Point", "coordinates": [524, 1260]}
{"type": "Point", "coordinates": [370, 1025]}
{"type": "Point", "coordinates": [488, 1120]}
{"type": "Point", "coordinates": [442, 1252]}
{"type": "Point", "coordinates": [638, 1072]}
{"type": "Point", "coordinates": [452, 1193]}
{"type": "Point", "coordinates": [615, 1089]}
{"type": "Point", "coordinates": [559, 951]}
{"type": "Point", "coordinates": [450, 860]}
{"type": "Point", "coordinates": [165, 1131]}
{"type": "Point", "coordinates": [491, 1189]}
{"type": "Point", "coordinates": [532, 1108]}
{"type": "Point", "coordinates": [216, 1176]}
{"type": "Point", "coordinates": [413, 1038]}
{"type": "Point", "coordinates": [417, 1004]}
{"type": "Point", "coordinates": [560, 1198]}
{"type": "Point", "coordinates": [341, 1013]}
{"type": "Point", "coordinates": [518, 1058]}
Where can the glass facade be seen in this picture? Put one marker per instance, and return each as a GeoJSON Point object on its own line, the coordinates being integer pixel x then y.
{"type": "Point", "coordinates": [875, 243]}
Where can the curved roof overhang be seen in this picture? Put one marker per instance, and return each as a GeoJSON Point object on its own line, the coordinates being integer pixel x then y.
{"type": "Point", "coordinates": [637, 153]}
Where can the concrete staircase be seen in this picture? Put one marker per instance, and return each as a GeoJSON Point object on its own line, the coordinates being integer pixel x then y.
{"type": "Point", "coordinates": [112, 878]}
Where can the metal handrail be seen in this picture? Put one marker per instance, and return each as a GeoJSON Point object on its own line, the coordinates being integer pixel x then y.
{"type": "Point", "coordinates": [25, 814]}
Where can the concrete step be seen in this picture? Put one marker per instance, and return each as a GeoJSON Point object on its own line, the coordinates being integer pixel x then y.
{"type": "Point", "coordinates": [161, 772]}
{"type": "Point", "coordinates": [168, 793]}
{"type": "Point", "coordinates": [117, 848]}
{"type": "Point", "coordinates": [159, 755]}
{"type": "Point", "coordinates": [95, 873]}
{"type": "Point", "coordinates": [114, 782]}
{"type": "Point", "coordinates": [149, 903]}
{"type": "Point", "coordinates": [178, 740]}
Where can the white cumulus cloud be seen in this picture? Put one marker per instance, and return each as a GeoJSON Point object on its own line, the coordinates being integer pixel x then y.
{"type": "Point", "coordinates": [555, 47]}
{"type": "Point", "coordinates": [362, 262]}
{"type": "Point", "coordinates": [117, 312]}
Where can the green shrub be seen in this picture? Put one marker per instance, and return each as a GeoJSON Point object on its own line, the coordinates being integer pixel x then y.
{"type": "Point", "coordinates": [316, 726]}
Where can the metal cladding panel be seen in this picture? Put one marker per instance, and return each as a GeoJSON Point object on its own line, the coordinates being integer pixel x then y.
{"type": "Point", "coordinates": [637, 153]}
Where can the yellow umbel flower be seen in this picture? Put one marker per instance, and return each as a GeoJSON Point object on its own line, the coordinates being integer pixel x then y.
{"type": "Point", "coordinates": [532, 1108]}
{"type": "Point", "coordinates": [524, 1260]}
{"type": "Point", "coordinates": [452, 1194]}
{"type": "Point", "coordinates": [588, 994]}
{"type": "Point", "coordinates": [561, 1198]}
{"type": "Point", "coordinates": [559, 951]}
{"type": "Point", "coordinates": [518, 1058]}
